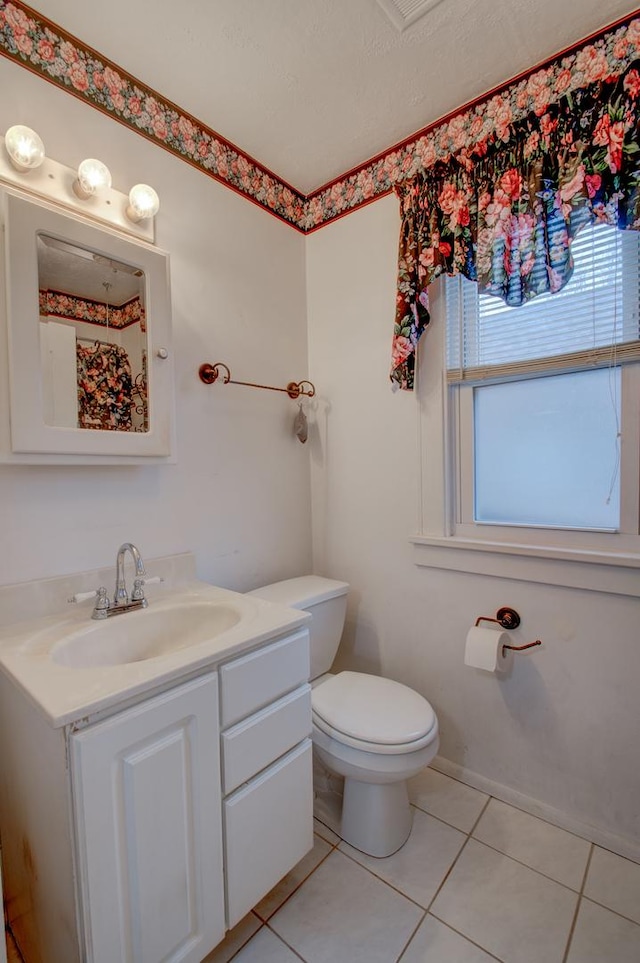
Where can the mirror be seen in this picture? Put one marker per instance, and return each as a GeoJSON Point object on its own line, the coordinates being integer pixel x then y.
{"type": "Point", "coordinates": [93, 344]}
{"type": "Point", "coordinates": [88, 317]}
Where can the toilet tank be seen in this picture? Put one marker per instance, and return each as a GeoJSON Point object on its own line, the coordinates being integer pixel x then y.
{"type": "Point", "coordinates": [326, 600]}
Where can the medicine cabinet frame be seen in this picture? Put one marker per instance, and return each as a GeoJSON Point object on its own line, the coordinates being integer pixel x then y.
{"type": "Point", "coordinates": [25, 436]}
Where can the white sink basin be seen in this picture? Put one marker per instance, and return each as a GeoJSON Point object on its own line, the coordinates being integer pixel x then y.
{"type": "Point", "coordinates": [145, 634]}
{"type": "Point", "coordinates": [72, 667]}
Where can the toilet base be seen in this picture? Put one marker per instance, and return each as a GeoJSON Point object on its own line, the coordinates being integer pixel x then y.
{"type": "Point", "coordinates": [376, 817]}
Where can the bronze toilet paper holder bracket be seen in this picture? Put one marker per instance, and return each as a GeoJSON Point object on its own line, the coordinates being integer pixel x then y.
{"type": "Point", "coordinates": [508, 618]}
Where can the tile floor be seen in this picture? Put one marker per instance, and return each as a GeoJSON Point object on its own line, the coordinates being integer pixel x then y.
{"type": "Point", "coordinates": [477, 881]}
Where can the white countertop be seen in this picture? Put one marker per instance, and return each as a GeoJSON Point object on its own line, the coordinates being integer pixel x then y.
{"type": "Point", "coordinates": [69, 694]}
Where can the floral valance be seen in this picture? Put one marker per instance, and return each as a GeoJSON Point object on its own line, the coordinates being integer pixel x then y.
{"type": "Point", "coordinates": [504, 211]}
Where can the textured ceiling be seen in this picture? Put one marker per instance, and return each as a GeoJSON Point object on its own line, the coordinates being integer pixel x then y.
{"type": "Point", "coordinates": [312, 88]}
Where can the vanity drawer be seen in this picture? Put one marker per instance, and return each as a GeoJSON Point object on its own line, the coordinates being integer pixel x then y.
{"type": "Point", "coordinates": [254, 743]}
{"type": "Point", "coordinates": [254, 680]}
{"type": "Point", "coordinates": [268, 829]}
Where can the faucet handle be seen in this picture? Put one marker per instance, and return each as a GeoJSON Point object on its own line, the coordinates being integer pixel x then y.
{"type": "Point", "coordinates": [103, 605]}
{"type": "Point", "coordinates": [138, 590]}
{"type": "Point", "coordinates": [82, 596]}
{"type": "Point", "coordinates": [101, 594]}
{"type": "Point", "coordinates": [102, 601]}
{"type": "Point", "coordinates": [137, 595]}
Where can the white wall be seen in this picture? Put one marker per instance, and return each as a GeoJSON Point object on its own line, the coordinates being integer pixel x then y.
{"type": "Point", "coordinates": [239, 495]}
{"type": "Point", "coordinates": [563, 729]}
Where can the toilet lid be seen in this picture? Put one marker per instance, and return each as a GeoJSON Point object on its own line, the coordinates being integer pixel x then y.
{"type": "Point", "coordinates": [367, 708]}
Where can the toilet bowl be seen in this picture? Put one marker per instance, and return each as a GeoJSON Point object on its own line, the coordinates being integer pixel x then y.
{"type": "Point", "coordinates": [377, 734]}
{"type": "Point", "coordinates": [374, 732]}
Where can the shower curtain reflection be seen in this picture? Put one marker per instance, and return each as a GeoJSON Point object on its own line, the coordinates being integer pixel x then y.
{"type": "Point", "coordinates": [105, 387]}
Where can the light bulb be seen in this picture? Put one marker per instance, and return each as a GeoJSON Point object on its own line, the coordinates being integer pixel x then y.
{"type": "Point", "coordinates": [93, 176]}
{"type": "Point", "coordinates": [143, 202]}
{"type": "Point", "coordinates": [24, 147]}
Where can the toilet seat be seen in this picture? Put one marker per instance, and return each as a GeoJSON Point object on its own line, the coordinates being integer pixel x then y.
{"type": "Point", "coordinates": [373, 714]}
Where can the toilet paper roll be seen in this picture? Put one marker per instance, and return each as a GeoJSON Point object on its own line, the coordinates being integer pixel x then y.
{"type": "Point", "coordinates": [484, 649]}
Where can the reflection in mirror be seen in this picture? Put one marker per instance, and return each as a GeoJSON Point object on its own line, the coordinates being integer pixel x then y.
{"type": "Point", "coordinates": [93, 341]}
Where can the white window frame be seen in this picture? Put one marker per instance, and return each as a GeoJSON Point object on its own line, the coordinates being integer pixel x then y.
{"type": "Point", "coordinates": [600, 561]}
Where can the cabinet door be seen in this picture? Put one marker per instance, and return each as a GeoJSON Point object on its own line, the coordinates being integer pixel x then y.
{"type": "Point", "coordinates": [268, 829]}
{"type": "Point", "coordinates": [146, 792]}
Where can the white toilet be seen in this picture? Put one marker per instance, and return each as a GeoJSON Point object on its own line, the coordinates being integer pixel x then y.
{"type": "Point", "coordinates": [374, 732]}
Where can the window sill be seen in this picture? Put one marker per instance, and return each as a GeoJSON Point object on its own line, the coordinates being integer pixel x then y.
{"type": "Point", "coordinates": [608, 572]}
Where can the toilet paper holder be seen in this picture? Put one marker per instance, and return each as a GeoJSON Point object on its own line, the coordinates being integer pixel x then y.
{"type": "Point", "coordinates": [508, 618]}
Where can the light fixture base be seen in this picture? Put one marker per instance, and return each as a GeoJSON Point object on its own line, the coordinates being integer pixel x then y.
{"type": "Point", "coordinates": [79, 192]}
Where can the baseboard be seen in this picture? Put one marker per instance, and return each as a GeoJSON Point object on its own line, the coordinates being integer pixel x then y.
{"type": "Point", "coordinates": [621, 845]}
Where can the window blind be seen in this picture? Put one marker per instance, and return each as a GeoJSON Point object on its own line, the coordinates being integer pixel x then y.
{"type": "Point", "coordinates": [592, 322]}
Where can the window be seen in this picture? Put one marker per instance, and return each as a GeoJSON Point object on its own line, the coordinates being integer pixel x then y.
{"type": "Point", "coordinates": [542, 442]}
{"type": "Point", "coordinates": [546, 451]}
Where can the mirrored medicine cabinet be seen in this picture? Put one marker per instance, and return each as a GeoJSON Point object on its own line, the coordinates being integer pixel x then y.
{"type": "Point", "coordinates": [88, 347]}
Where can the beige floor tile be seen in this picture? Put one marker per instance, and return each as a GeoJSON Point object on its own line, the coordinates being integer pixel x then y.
{"type": "Point", "coordinates": [505, 907]}
{"type": "Point", "coordinates": [449, 800]}
{"type": "Point", "coordinates": [321, 830]}
{"type": "Point", "coordinates": [614, 882]}
{"type": "Point", "coordinates": [436, 943]}
{"type": "Point", "coordinates": [537, 844]}
{"type": "Point", "coordinates": [234, 939]}
{"type": "Point", "coordinates": [344, 914]}
{"type": "Point", "coordinates": [265, 947]}
{"type": "Point", "coordinates": [282, 890]}
{"type": "Point", "coordinates": [419, 868]}
{"type": "Point", "coordinates": [603, 937]}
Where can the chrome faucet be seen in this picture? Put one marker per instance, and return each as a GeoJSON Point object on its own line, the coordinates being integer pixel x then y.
{"type": "Point", "coordinates": [122, 602]}
{"type": "Point", "coordinates": [120, 597]}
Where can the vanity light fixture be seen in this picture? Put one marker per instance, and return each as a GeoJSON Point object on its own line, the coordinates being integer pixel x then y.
{"type": "Point", "coordinates": [24, 147]}
{"type": "Point", "coordinates": [86, 190]}
{"type": "Point", "coordinates": [93, 177]}
{"type": "Point", "coordinates": [143, 203]}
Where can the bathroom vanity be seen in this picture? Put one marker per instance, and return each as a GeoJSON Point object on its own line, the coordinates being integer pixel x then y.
{"type": "Point", "coordinates": [148, 805]}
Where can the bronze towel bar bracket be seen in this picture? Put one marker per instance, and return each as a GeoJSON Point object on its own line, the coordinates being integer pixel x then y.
{"type": "Point", "coordinates": [209, 373]}
{"type": "Point", "coordinates": [509, 619]}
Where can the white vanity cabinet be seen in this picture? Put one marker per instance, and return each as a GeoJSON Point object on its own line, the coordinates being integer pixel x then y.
{"type": "Point", "coordinates": [146, 793]}
{"type": "Point", "coordinates": [142, 833]}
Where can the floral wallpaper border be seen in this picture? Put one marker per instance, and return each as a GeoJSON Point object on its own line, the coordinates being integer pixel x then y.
{"type": "Point", "coordinates": [28, 38]}
{"type": "Point", "coordinates": [60, 305]}
{"type": "Point", "coordinates": [44, 48]}
{"type": "Point", "coordinates": [607, 56]}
